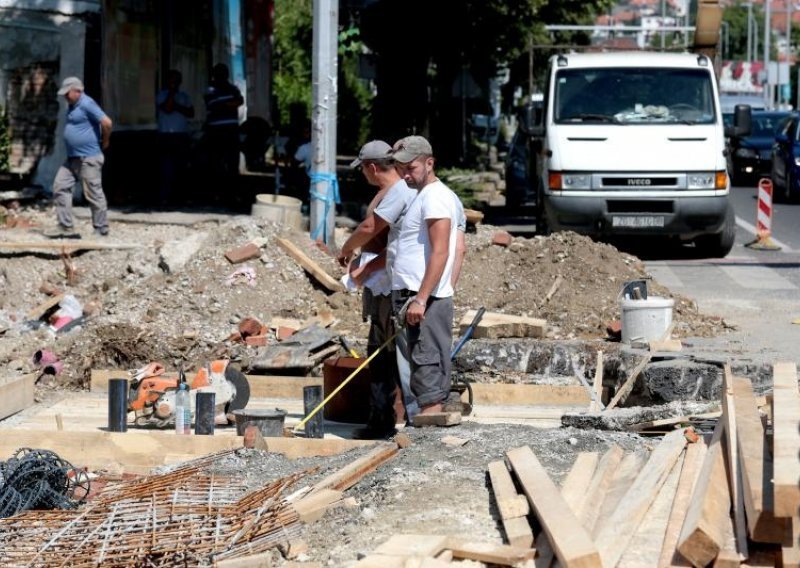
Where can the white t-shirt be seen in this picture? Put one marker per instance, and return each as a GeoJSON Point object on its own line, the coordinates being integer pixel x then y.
{"type": "Point", "coordinates": [303, 155]}
{"type": "Point", "coordinates": [392, 209]}
{"type": "Point", "coordinates": [434, 201]}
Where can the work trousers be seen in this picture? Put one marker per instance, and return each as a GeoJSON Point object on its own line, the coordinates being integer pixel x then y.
{"type": "Point", "coordinates": [383, 368]}
{"type": "Point", "coordinates": [429, 345]}
{"type": "Point", "coordinates": [88, 171]}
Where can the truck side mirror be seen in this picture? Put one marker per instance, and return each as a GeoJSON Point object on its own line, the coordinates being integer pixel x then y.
{"type": "Point", "coordinates": [742, 122]}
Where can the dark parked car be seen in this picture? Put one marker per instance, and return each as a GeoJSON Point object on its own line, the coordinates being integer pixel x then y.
{"type": "Point", "coordinates": [750, 157]}
{"type": "Point", "coordinates": [786, 161]}
{"type": "Point", "coordinates": [522, 167]}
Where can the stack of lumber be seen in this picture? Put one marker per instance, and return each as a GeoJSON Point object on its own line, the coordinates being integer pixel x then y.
{"type": "Point", "coordinates": [728, 501]}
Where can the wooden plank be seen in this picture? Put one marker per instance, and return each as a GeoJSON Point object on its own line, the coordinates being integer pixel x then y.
{"type": "Point", "coordinates": [39, 311]}
{"type": "Point", "coordinates": [529, 395]}
{"type": "Point", "coordinates": [624, 476]}
{"type": "Point", "coordinates": [413, 544]}
{"type": "Point", "coordinates": [352, 473]}
{"type": "Point", "coordinates": [692, 462]}
{"type": "Point", "coordinates": [596, 490]}
{"type": "Point", "coordinates": [310, 266]}
{"type": "Point", "coordinates": [790, 551]}
{"type": "Point", "coordinates": [67, 244]}
{"type": "Point", "coordinates": [666, 346]}
{"type": "Point", "coordinates": [262, 560]}
{"type": "Point", "coordinates": [732, 455]}
{"type": "Point", "coordinates": [489, 553]}
{"type": "Point", "coordinates": [786, 439]}
{"type": "Point", "coordinates": [510, 504]}
{"type": "Point", "coordinates": [437, 419]}
{"type": "Point", "coordinates": [573, 490]}
{"type": "Point", "coordinates": [673, 421]}
{"type": "Point", "coordinates": [139, 452]}
{"type": "Point", "coordinates": [494, 325]}
{"type": "Point", "coordinates": [16, 394]}
{"type": "Point", "coordinates": [261, 386]}
{"type": "Point", "coordinates": [572, 544]}
{"type": "Point", "coordinates": [702, 535]}
{"type": "Point", "coordinates": [644, 548]}
{"type": "Point", "coordinates": [597, 385]}
{"type": "Point", "coordinates": [311, 507]}
{"type": "Point", "coordinates": [756, 466]}
{"type": "Point", "coordinates": [616, 534]}
{"type": "Point", "coordinates": [627, 386]}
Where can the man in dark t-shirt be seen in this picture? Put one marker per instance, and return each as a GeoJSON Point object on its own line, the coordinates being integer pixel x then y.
{"type": "Point", "coordinates": [222, 99]}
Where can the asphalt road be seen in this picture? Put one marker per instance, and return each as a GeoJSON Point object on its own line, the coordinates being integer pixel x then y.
{"type": "Point", "coordinates": [755, 290]}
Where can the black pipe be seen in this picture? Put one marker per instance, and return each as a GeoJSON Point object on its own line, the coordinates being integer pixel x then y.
{"type": "Point", "coordinates": [118, 405]}
{"type": "Point", "coordinates": [312, 396]}
{"type": "Point", "coordinates": [204, 414]}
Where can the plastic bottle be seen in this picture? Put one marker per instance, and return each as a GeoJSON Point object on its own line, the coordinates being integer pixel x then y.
{"type": "Point", "coordinates": [183, 410]}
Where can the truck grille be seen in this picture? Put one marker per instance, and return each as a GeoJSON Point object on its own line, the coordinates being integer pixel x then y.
{"type": "Point", "coordinates": [639, 206]}
{"type": "Point", "coordinates": [638, 181]}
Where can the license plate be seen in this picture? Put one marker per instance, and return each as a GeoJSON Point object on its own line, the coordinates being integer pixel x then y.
{"type": "Point", "coordinates": [638, 221]}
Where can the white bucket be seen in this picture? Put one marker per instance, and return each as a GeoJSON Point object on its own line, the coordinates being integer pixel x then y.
{"type": "Point", "coordinates": [279, 208]}
{"type": "Point", "coordinates": [645, 320]}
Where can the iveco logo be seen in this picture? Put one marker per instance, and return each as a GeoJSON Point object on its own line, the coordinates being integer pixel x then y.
{"type": "Point", "coordinates": [639, 181]}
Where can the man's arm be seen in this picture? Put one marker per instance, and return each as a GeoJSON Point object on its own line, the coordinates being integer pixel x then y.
{"type": "Point", "coordinates": [105, 131]}
{"type": "Point", "coordinates": [367, 230]}
{"type": "Point", "coordinates": [361, 273]}
{"type": "Point", "coordinates": [458, 261]}
{"type": "Point", "coordinates": [439, 237]}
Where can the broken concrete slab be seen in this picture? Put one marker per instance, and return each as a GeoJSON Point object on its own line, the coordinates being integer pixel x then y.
{"type": "Point", "coordinates": [174, 255]}
{"type": "Point", "coordinates": [625, 418]}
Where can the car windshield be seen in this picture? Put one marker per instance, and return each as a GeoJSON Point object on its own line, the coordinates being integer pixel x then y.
{"type": "Point", "coordinates": [767, 125]}
{"type": "Point", "coordinates": [634, 96]}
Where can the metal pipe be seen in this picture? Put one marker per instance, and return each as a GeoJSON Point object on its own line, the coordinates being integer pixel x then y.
{"type": "Point", "coordinates": [118, 405]}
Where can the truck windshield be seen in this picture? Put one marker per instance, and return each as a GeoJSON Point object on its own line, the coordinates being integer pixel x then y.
{"type": "Point", "coordinates": [634, 96]}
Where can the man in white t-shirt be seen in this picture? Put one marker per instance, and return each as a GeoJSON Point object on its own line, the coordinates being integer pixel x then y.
{"type": "Point", "coordinates": [377, 234]}
{"type": "Point", "coordinates": [430, 250]}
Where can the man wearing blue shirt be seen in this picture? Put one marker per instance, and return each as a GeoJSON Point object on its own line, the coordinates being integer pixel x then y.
{"type": "Point", "coordinates": [86, 135]}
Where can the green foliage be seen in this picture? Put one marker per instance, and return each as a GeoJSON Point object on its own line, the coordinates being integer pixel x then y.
{"type": "Point", "coordinates": [5, 142]}
{"type": "Point", "coordinates": [457, 179]}
{"type": "Point", "coordinates": [736, 35]}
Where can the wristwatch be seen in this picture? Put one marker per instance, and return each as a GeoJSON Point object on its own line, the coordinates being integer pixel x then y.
{"type": "Point", "coordinates": [419, 302]}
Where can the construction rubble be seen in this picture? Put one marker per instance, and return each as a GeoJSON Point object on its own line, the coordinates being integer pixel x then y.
{"type": "Point", "coordinates": [572, 449]}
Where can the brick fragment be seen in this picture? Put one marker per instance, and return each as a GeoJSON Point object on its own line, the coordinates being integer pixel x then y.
{"type": "Point", "coordinates": [243, 253]}
{"type": "Point", "coordinates": [256, 340]}
{"type": "Point", "coordinates": [502, 238]}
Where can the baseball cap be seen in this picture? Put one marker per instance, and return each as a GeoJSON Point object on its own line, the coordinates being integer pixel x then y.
{"type": "Point", "coordinates": [374, 150]}
{"type": "Point", "coordinates": [70, 83]}
{"type": "Point", "coordinates": [410, 148]}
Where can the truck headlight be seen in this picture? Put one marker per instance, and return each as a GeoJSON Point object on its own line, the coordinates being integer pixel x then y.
{"type": "Point", "coordinates": [705, 180]}
{"type": "Point", "coordinates": [797, 160]}
{"type": "Point", "coordinates": [576, 181]}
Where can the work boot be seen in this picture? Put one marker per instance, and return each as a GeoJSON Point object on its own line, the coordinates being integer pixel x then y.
{"type": "Point", "coordinates": [101, 232]}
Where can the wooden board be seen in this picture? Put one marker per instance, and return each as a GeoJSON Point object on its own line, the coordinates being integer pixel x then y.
{"type": "Point", "coordinates": [39, 311]}
{"type": "Point", "coordinates": [756, 466]}
{"type": "Point", "coordinates": [139, 452]}
{"type": "Point", "coordinates": [494, 325]}
{"type": "Point", "coordinates": [597, 488]}
{"type": "Point", "coordinates": [732, 456]}
{"type": "Point", "coordinates": [692, 462]}
{"type": "Point", "coordinates": [624, 476]}
{"type": "Point", "coordinates": [67, 244]}
{"type": "Point", "coordinates": [627, 386]}
{"type": "Point", "coordinates": [597, 385]}
{"type": "Point", "coordinates": [613, 538]}
{"type": "Point", "coordinates": [261, 386]}
{"type": "Point", "coordinates": [702, 535]}
{"type": "Point", "coordinates": [350, 474]}
{"type": "Point", "coordinates": [16, 394]}
{"type": "Point", "coordinates": [489, 553]}
{"type": "Point", "coordinates": [437, 419]}
{"type": "Point", "coordinates": [786, 439]}
{"type": "Point", "coordinates": [512, 506]}
{"type": "Point", "coordinates": [310, 266]}
{"type": "Point", "coordinates": [572, 544]}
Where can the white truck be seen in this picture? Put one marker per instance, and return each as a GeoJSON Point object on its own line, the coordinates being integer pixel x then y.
{"type": "Point", "coordinates": [633, 143]}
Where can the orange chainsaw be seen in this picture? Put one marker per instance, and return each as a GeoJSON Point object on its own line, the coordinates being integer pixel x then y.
{"type": "Point", "coordinates": [151, 395]}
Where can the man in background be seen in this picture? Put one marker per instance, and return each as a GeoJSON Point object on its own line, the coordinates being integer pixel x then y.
{"type": "Point", "coordinates": [174, 109]}
{"type": "Point", "coordinates": [223, 100]}
{"type": "Point", "coordinates": [86, 134]}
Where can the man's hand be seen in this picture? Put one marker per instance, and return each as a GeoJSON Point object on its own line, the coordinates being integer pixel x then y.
{"type": "Point", "coordinates": [415, 312]}
{"type": "Point", "coordinates": [344, 257]}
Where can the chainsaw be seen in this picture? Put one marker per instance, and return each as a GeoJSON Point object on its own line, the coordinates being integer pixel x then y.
{"type": "Point", "coordinates": [151, 395]}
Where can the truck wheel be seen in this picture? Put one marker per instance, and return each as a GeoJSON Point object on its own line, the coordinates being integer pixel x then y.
{"type": "Point", "coordinates": [720, 244]}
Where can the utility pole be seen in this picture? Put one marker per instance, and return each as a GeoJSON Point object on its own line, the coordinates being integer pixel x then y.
{"type": "Point", "coordinates": [324, 185]}
{"type": "Point", "coordinates": [788, 90]}
{"type": "Point", "coordinates": [767, 18]}
{"type": "Point", "coordinates": [663, 22]}
{"type": "Point", "coordinates": [749, 31]}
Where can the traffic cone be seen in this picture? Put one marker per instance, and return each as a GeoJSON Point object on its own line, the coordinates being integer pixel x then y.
{"type": "Point", "coordinates": [763, 239]}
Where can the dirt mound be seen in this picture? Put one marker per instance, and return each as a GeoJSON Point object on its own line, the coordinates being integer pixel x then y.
{"type": "Point", "coordinates": [140, 313]}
